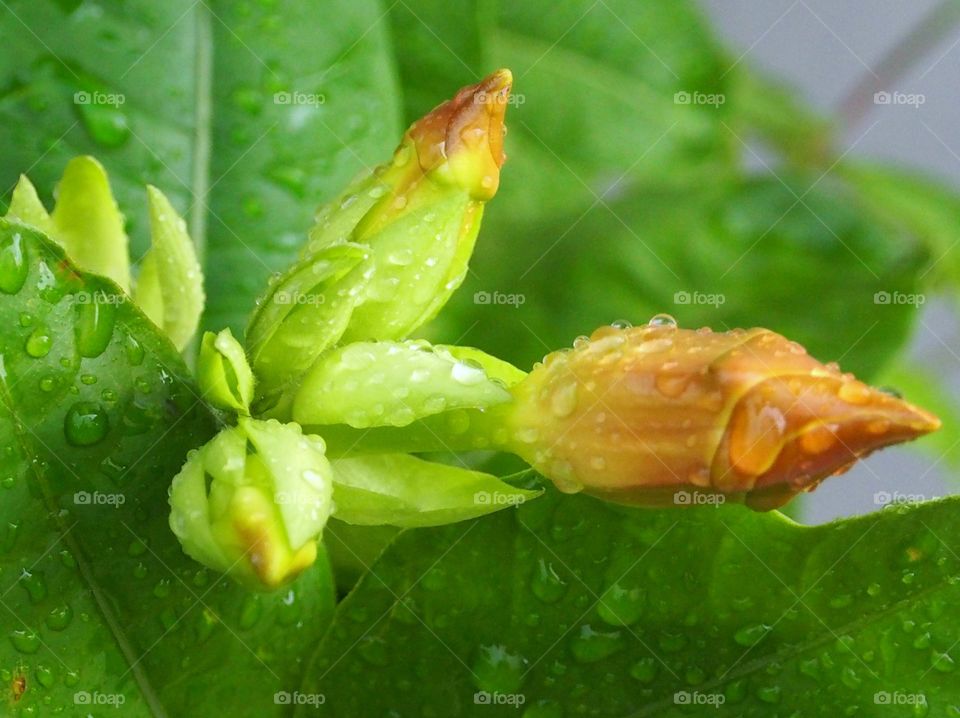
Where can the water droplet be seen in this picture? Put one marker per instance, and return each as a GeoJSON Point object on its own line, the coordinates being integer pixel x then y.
{"type": "Point", "coordinates": [546, 584]}
{"type": "Point", "coordinates": [162, 589]}
{"type": "Point", "coordinates": [25, 640]}
{"type": "Point", "coordinates": [621, 324]}
{"type": "Point", "coordinates": [373, 650]}
{"type": "Point", "coordinates": [942, 662]}
{"type": "Point", "coordinates": [85, 424]}
{"type": "Point", "coordinates": [39, 342]}
{"type": "Point", "coordinates": [644, 670]}
{"type": "Point", "coordinates": [35, 586]}
{"type": "Point", "coordinates": [467, 372]}
{"type": "Point", "coordinates": [590, 646]}
{"type": "Point", "coordinates": [106, 123]}
{"type": "Point", "coordinates": [45, 676]}
{"type": "Point", "coordinates": [620, 606]}
{"type": "Point", "coordinates": [13, 263]}
{"type": "Point", "coordinates": [853, 392]}
{"type": "Point", "coordinates": [496, 670]}
{"type": "Point", "coordinates": [751, 635]}
{"type": "Point", "coordinates": [59, 618]}
{"type": "Point", "coordinates": [134, 351]}
{"type": "Point", "coordinates": [563, 402]}
{"type": "Point", "coordinates": [94, 324]}
{"type": "Point", "coordinates": [662, 320]}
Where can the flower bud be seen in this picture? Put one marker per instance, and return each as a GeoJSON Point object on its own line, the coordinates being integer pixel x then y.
{"type": "Point", "coordinates": [637, 414]}
{"type": "Point", "coordinates": [225, 378]}
{"type": "Point", "coordinates": [253, 501]}
{"type": "Point", "coordinates": [386, 255]}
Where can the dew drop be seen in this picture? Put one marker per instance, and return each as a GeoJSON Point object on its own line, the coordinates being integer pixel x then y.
{"type": "Point", "coordinates": [25, 640]}
{"type": "Point", "coordinates": [39, 342]}
{"type": "Point", "coordinates": [563, 401]}
{"type": "Point", "coordinates": [59, 618]}
{"type": "Point", "coordinates": [496, 670]}
{"type": "Point", "coordinates": [94, 325]}
{"type": "Point", "coordinates": [662, 320]}
{"type": "Point", "coordinates": [546, 584]}
{"type": "Point", "coordinates": [13, 264]}
{"type": "Point", "coordinates": [85, 424]}
{"type": "Point", "coordinates": [467, 372]}
{"type": "Point", "coordinates": [590, 646]}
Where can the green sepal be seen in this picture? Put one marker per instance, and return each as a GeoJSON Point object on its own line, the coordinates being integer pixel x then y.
{"type": "Point", "coordinates": [369, 384]}
{"type": "Point", "coordinates": [401, 490]}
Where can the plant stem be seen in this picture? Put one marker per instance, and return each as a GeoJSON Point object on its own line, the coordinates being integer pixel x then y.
{"type": "Point", "coordinates": [903, 55]}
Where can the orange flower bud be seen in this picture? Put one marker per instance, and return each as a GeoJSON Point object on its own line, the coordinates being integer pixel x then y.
{"type": "Point", "coordinates": [637, 414]}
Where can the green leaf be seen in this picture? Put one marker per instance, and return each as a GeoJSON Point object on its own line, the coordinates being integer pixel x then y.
{"type": "Point", "coordinates": [171, 280]}
{"type": "Point", "coordinates": [570, 604]}
{"type": "Point", "coordinates": [97, 412]}
{"type": "Point", "coordinates": [248, 116]}
{"type": "Point", "coordinates": [368, 384]}
{"type": "Point", "coordinates": [921, 206]}
{"type": "Point", "coordinates": [405, 491]}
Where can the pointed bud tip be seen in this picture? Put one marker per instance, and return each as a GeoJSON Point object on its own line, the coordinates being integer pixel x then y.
{"type": "Point", "coordinates": [466, 134]}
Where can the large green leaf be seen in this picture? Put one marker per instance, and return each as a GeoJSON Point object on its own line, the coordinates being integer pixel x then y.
{"type": "Point", "coordinates": [247, 114]}
{"type": "Point", "coordinates": [577, 607]}
{"type": "Point", "coordinates": [97, 413]}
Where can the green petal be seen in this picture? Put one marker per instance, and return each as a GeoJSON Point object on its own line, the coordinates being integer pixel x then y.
{"type": "Point", "coordinates": [369, 384]}
{"type": "Point", "coordinates": [88, 222]}
{"type": "Point", "coordinates": [26, 207]}
{"type": "Point", "coordinates": [401, 490]}
{"type": "Point", "coordinates": [170, 273]}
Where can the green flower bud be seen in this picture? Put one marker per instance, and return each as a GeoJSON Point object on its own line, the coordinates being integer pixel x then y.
{"type": "Point", "coordinates": [253, 501]}
{"type": "Point", "coordinates": [409, 229]}
{"type": "Point", "coordinates": [224, 375]}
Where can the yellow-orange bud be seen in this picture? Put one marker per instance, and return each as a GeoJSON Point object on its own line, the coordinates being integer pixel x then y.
{"type": "Point", "coordinates": [638, 414]}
